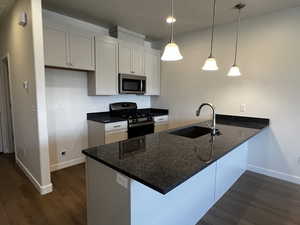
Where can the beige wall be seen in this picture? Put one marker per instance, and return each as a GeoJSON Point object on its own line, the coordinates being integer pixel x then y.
{"type": "Point", "coordinates": [269, 59]}
{"type": "Point", "coordinates": [25, 48]}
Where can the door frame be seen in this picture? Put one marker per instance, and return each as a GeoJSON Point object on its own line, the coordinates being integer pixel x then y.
{"type": "Point", "coordinates": [7, 57]}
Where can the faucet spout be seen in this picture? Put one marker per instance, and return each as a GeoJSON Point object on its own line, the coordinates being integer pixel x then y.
{"type": "Point", "coordinates": [213, 127]}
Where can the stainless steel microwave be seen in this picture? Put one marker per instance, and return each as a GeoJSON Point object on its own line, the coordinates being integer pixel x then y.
{"type": "Point", "coordinates": [132, 84]}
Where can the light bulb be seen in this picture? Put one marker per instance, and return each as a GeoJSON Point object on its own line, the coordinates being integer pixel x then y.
{"type": "Point", "coordinates": [171, 52]}
{"type": "Point", "coordinates": [171, 19]}
{"type": "Point", "coordinates": [234, 71]}
{"type": "Point", "coordinates": [210, 64]}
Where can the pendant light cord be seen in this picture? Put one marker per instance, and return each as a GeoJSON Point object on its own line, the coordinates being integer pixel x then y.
{"type": "Point", "coordinates": [213, 29]}
{"type": "Point", "coordinates": [237, 36]}
{"type": "Point", "coordinates": [172, 28]}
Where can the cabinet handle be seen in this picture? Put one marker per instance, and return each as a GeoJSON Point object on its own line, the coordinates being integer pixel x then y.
{"type": "Point", "coordinates": [116, 126]}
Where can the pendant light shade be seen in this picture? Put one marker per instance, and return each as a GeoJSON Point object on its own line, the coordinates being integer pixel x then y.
{"type": "Point", "coordinates": [211, 63]}
{"type": "Point", "coordinates": [171, 51]}
{"type": "Point", "coordinates": [235, 70]}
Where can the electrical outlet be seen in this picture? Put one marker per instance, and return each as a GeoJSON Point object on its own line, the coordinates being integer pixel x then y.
{"type": "Point", "coordinates": [63, 154]}
{"type": "Point", "coordinates": [243, 108]}
{"type": "Point", "coordinates": [122, 180]}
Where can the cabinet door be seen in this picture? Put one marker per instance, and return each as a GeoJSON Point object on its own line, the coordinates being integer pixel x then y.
{"type": "Point", "coordinates": [138, 60]}
{"type": "Point", "coordinates": [152, 71]}
{"type": "Point", "coordinates": [125, 58]}
{"type": "Point", "coordinates": [115, 137]}
{"type": "Point", "coordinates": [81, 51]}
{"type": "Point", "coordinates": [161, 127]}
{"type": "Point", "coordinates": [106, 74]}
{"type": "Point", "coordinates": [55, 44]}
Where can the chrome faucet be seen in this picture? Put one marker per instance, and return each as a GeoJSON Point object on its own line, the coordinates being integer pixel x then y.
{"type": "Point", "coordinates": [213, 126]}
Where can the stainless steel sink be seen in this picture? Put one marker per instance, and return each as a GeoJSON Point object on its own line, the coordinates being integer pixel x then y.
{"type": "Point", "coordinates": [192, 132]}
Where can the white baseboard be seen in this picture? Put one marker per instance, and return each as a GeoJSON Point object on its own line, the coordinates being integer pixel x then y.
{"type": "Point", "coordinates": [62, 165]}
{"type": "Point", "coordinates": [275, 174]}
{"type": "Point", "coordinates": [42, 189]}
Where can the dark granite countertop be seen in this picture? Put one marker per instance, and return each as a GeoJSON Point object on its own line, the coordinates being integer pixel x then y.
{"type": "Point", "coordinates": [163, 161]}
{"type": "Point", "coordinates": [106, 117]}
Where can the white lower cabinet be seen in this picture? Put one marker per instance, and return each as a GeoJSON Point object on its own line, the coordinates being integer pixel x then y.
{"type": "Point", "coordinates": [161, 123]}
{"type": "Point", "coordinates": [104, 81]}
{"type": "Point", "coordinates": [106, 133]}
{"type": "Point", "coordinates": [115, 137]}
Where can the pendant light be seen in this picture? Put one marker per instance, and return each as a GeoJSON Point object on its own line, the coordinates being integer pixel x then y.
{"type": "Point", "coordinates": [235, 70]}
{"type": "Point", "coordinates": [171, 52]}
{"type": "Point", "coordinates": [211, 63]}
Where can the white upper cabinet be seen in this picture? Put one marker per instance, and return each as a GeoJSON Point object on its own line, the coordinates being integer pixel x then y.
{"type": "Point", "coordinates": [81, 51]}
{"type": "Point", "coordinates": [125, 61]}
{"type": "Point", "coordinates": [56, 47]}
{"type": "Point", "coordinates": [68, 50]}
{"type": "Point", "coordinates": [104, 81]}
{"type": "Point", "coordinates": [152, 71]}
{"type": "Point", "coordinates": [131, 58]}
{"type": "Point", "coordinates": [138, 60]}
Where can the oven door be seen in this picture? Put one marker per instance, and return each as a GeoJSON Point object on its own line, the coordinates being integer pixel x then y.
{"type": "Point", "coordinates": [140, 129]}
{"type": "Point", "coordinates": [132, 84]}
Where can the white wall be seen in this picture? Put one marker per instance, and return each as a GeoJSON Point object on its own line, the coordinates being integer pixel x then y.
{"type": "Point", "coordinates": [67, 106]}
{"type": "Point", "coordinates": [24, 45]}
{"type": "Point", "coordinates": [269, 59]}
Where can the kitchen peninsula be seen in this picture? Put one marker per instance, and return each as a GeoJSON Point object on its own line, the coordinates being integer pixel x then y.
{"type": "Point", "coordinates": [172, 177]}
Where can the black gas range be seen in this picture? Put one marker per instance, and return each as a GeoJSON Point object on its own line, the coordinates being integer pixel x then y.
{"type": "Point", "coordinates": [139, 122]}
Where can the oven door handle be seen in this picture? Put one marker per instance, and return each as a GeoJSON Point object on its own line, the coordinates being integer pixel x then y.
{"type": "Point", "coordinates": [141, 124]}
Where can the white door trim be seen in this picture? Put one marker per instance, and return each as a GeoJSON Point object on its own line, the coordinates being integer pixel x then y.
{"type": "Point", "coordinates": [7, 57]}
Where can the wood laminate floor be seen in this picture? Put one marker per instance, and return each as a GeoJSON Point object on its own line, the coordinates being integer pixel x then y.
{"type": "Point", "coordinates": [254, 200]}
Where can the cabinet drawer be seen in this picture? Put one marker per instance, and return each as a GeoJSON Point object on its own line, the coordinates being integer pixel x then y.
{"type": "Point", "coordinates": [161, 119]}
{"type": "Point", "coordinates": [116, 126]}
{"type": "Point", "coordinates": [115, 137]}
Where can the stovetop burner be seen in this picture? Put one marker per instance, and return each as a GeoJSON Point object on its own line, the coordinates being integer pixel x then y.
{"type": "Point", "coordinates": [129, 111]}
{"type": "Point", "coordinates": [140, 122]}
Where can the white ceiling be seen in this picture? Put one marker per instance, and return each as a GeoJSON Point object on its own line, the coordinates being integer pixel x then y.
{"type": "Point", "coordinates": [5, 4]}
{"type": "Point", "coordinates": [148, 16]}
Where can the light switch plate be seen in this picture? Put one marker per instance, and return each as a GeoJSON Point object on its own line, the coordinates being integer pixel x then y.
{"type": "Point", "coordinates": [122, 180]}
